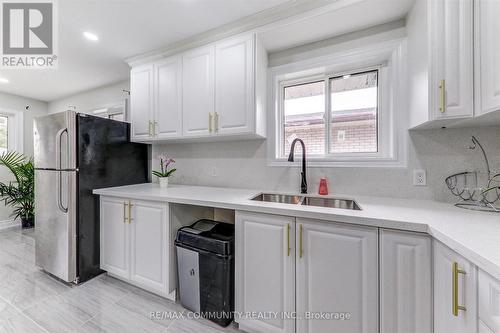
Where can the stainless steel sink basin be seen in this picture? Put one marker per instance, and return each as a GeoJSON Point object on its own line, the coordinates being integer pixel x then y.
{"type": "Point", "coordinates": [307, 201]}
{"type": "Point", "coordinates": [331, 203]}
{"type": "Point", "coordinates": [281, 198]}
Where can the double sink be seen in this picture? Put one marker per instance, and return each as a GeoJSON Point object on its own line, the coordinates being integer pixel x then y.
{"type": "Point", "coordinates": [308, 201]}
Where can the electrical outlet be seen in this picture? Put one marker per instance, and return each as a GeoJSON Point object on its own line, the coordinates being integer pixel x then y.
{"type": "Point", "coordinates": [214, 172]}
{"type": "Point", "coordinates": [419, 177]}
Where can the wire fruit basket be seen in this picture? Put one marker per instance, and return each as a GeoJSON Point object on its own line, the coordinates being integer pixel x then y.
{"type": "Point", "coordinates": [464, 185]}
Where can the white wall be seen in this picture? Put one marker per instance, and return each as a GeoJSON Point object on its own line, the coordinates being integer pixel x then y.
{"type": "Point", "coordinates": [93, 99]}
{"type": "Point", "coordinates": [244, 165]}
{"type": "Point", "coordinates": [18, 103]}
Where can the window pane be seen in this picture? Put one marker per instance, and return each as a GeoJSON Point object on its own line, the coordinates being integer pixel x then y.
{"type": "Point", "coordinates": [116, 116]}
{"type": "Point", "coordinates": [4, 142]}
{"type": "Point", "coordinates": [304, 110]}
{"type": "Point", "coordinates": [354, 108]}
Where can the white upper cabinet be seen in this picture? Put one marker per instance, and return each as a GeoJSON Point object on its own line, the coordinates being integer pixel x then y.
{"type": "Point", "coordinates": [214, 91]}
{"type": "Point", "coordinates": [235, 91]}
{"type": "Point", "coordinates": [405, 282]}
{"type": "Point", "coordinates": [198, 84]}
{"type": "Point", "coordinates": [455, 292]}
{"type": "Point", "coordinates": [141, 101]}
{"type": "Point", "coordinates": [168, 98]}
{"type": "Point", "coordinates": [337, 272]}
{"type": "Point", "coordinates": [487, 46]}
{"type": "Point", "coordinates": [440, 62]}
{"type": "Point", "coordinates": [451, 84]}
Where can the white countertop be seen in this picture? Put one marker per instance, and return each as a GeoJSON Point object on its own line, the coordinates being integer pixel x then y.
{"type": "Point", "coordinates": [474, 235]}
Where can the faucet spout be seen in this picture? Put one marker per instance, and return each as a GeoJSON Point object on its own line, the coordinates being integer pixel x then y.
{"type": "Point", "coordinates": [303, 180]}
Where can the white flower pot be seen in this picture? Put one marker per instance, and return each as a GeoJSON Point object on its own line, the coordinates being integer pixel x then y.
{"type": "Point", "coordinates": [163, 182]}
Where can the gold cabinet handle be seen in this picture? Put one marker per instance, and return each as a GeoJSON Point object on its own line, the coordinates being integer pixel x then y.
{"type": "Point", "coordinates": [216, 121]}
{"type": "Point", "coordinates": [442, 96]}
{"type": "Point", "coordinates": [210, 116]}
{"type": "Point", "coordinates": [124, 212]}
{"type": "Point", "coordinates": [301, 232]}
{"type": "Point", "coordinates": [455, 305]}
{"type": "Point", "coordinates": [130, 212]}
{"type": "Point", "coordinates": [288, 239]}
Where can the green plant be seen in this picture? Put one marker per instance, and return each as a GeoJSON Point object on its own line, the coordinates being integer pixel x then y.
{"type": "Point", "coordinates": [165, 162]}
{"type": "Point", "coordinates": [20, 193]}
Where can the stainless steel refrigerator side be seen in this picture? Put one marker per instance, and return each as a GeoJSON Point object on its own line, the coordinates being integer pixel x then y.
{"type": "Point", "coordinates": [56, 228]}
{"type": "Point", "coordinates": [56, 194]}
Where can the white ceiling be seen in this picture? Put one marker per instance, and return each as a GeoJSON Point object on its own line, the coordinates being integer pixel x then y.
{"type": "Point", "coordinates": [125, 28]}
{"type": "Point", "coordinates": [130, 27]}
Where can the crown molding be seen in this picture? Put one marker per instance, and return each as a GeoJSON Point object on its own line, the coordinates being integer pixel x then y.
{"type": "Point", "coordinates": [266, 20]}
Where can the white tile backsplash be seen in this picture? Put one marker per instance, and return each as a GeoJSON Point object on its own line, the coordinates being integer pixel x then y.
{"type": "Point", "coordinates": [243, 164]}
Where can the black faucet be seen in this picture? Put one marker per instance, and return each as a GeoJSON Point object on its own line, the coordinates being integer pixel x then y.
{"type": "Point", "coordinates": [303, 182]}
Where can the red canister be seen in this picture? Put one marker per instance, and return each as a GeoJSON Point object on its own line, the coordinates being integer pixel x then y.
{"type": "Point", "coordinates": [323, 187]}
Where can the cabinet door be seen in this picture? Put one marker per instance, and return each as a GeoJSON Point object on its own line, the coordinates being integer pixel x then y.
{"type": "Point", "coordinates": [141, 101]}
{"type": "Point", "coordinates": [405, 282]}
{"type": "Point", "coordinates": [337, 274]}
{"type": "Point", "coordinates": [168, 98]}
{"type": "Point", "coordinates": [452, 45]}
{"type": "Point", "coordinates": [483, 328]}
{"type": "Point", "coordinates": [489, 301]}
{"type": "Point", "coordinates": [148, 245]}
{"type": "Point", "coordinates": [114, 236]}
{"type": "Point", "coordinates": [488, 50]}
{"type": "Point", "coordinates": [235, 88]}
{"type": "Point", "coordinates": [444, 318]}
{"type": "Point", "coordinates": [265, 270]}
{"type": "Point", "coordinates": [198, 90]}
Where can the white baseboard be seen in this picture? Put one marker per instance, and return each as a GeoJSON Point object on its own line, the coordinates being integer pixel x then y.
{"type": "Point", "coordinates": [9, 224]}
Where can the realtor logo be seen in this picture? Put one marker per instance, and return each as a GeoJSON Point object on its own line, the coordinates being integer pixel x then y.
{"type": "Point", "coordinates": [28, 34]}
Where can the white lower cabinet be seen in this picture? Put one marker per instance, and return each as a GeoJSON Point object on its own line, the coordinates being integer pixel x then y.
{"type": "Point", "coordinates": [405, 282]}
{"type": "Point", "coordinates": [265, 271]}
{"type": "Point", "coordinates": [114, 237]}
{"type": "Point", "coordinates": [455, 292]}
{"type": "Point", "coordinates": [148, 245]}
{"type": "Point", "coordinates": [489, 303]}
{"type": "Point", "coordinates": [337, 276]}
{"type": "Point", "coordinates": [329, 269]}
{"type": "Point", "coordinates": [135, 243]}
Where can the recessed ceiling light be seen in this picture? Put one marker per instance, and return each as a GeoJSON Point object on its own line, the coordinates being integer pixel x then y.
{"type": "Point", "coordinates": [91, 36]}
{"type": "Point", "coordinates": [3, 80]}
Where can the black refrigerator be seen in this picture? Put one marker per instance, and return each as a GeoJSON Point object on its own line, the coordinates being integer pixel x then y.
{"type": "Point", "coordinates": [75, 154]}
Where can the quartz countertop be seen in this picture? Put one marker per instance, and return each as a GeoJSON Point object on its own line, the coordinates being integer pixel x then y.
{"type": "Point", "coordinates": [473, 234]}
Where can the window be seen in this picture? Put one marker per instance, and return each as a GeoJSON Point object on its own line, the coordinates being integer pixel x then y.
{"type": "Point", "coordinates": [11, 131]}
{"type": "Point", "coordinates": [349, 108]}
{"type": "Point", "coordinates": [115, 112]}
{"type": "Point", "coordinates": [352, 123]}
{"type": "Point", "coordinates": [4, 134]}
{"type": "Point", "coordinates": [354, 113]}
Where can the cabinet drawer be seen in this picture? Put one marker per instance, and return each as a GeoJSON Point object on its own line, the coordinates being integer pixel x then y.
{"type": "Point", "coordinates": [489, 301]}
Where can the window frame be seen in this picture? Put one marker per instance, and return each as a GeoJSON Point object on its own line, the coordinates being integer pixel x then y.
{"type": "Point", "coordinates": [389, 59]}
{"type": "Point", "coordinates": [15, 130]}
{"type": "Point", "coordinates": [327, 79]}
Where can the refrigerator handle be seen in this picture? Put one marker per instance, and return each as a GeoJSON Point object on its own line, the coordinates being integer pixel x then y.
{"type": "Point", "coordinates": [59, 167]}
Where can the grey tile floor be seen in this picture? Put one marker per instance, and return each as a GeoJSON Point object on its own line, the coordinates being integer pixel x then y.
{"type": "Point", "coordinates": [32, 302]}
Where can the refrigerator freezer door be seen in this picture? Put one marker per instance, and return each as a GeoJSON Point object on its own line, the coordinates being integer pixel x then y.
{"type": "Point", "coordinates": [55, 141]}
{"type": "Point", "coordinates": [56, 214]}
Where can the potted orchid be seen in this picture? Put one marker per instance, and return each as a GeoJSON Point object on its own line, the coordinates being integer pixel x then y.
{"type": "Point", "coordinates": [164, 173]}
